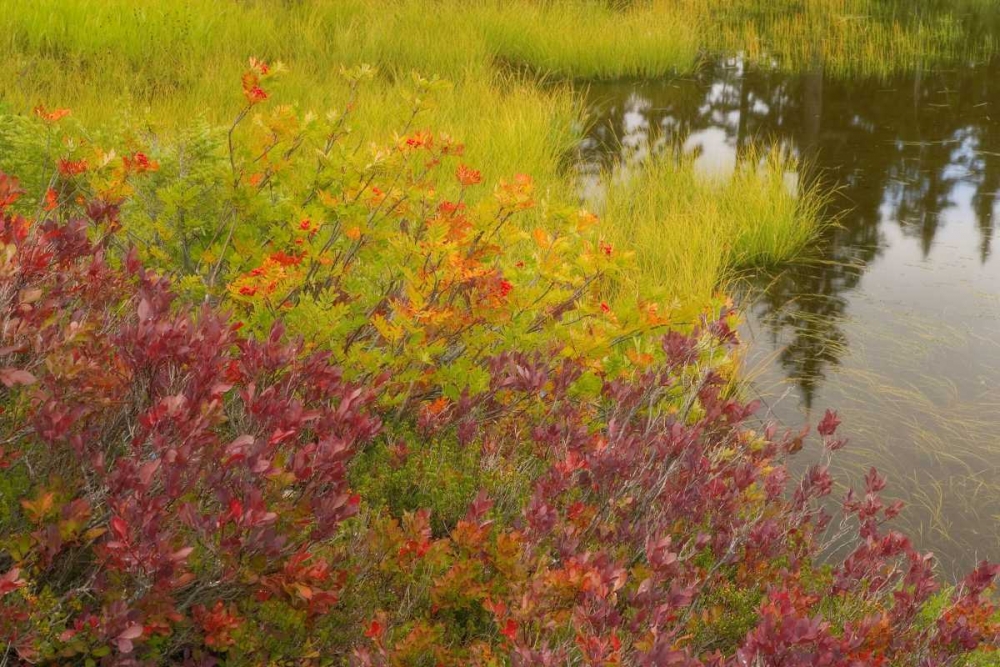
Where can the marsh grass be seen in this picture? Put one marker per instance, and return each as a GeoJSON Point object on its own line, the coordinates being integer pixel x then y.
{"type": "Point", "coordinates": [172, 58]}
{"type": "Point", "coordinates": [158, 65]}
{"type": "Point", "coordinates": [690, 234]}
{"type": "Point", "coordinates": [587, 40]}
{"type": "Point", "coordinates": [852, 38]}
{"type": "Point", "coordinates": [164, 62]}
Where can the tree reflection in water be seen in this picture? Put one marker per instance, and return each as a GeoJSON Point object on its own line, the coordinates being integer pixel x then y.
{"type": "Point", "coordinates": [917, 163]}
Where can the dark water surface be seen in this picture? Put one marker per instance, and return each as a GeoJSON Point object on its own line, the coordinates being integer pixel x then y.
{"type": "Point", "coordinates": [896, 320]}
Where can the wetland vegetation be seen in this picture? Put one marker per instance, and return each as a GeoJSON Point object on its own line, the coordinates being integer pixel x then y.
{"type": "Point", "coordinates": [499, 332]}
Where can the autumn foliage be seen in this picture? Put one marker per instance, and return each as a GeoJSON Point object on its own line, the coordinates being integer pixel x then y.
{"type": "Point", "coordinates": [401, 427]}
{"type": "Point", "coordinates": [173, 466]}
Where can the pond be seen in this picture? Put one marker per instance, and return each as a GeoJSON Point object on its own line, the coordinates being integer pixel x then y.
{"type": "Point", "coordinates": [894, 318]}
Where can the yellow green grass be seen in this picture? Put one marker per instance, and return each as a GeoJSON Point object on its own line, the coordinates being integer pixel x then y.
{"type": "Point", "coordinates": [872, 38]}
{"type": "Point", "coordinates": [159, 64]}
{"type": "Point", "coordinates": [587, 40]}
{"type": "Point", "coordinates": [687, 230]}
{"type": "Point", "coordinates": [176, 51]}
{"type": "Point", "coordinates": [171, 59]}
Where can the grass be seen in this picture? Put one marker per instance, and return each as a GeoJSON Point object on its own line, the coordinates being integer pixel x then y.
{"type": "Point", "coordinates": [587, 40]}
{"type": "Point", "coordinates": [687, 230]}
{"type": "Point", "coordinates": [850, 38]}
{"type": "Point", "coordinates": [158, 64]}
{"type": "Point", "coordinates": [170, 57]}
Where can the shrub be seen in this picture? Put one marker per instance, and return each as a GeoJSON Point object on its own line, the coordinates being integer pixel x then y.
{"type": "Point", "coordinates": [469, 459]}
{"type": "Point", "coordinates": [177, 471]}
{"type": "Point", "coordinates": [187, 495]}
{"type": "Point", "coordinates": [654, 535]}
{"type": "Point", "coordinates": [395, 257]}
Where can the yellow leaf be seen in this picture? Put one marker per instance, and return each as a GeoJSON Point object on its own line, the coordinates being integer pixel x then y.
{"type": "Point", "coordinates": [327, 199]}
{"type": "Point", "coordinates": [388, 331]}
{"type": "Point", "coordinates": [94, 533]}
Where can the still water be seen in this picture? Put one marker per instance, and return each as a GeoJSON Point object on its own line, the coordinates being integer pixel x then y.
{"type": "Point", "coordinates": [894, 319]}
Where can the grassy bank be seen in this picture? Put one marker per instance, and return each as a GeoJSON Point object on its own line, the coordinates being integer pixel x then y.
{"type": "Point", "coordinates": [849, 38]}
{"type": "Point", "coordinates": [170, 56]}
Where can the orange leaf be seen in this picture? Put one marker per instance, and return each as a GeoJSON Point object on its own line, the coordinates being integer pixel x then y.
{"type": "Point", "coordinates": [37, 509]}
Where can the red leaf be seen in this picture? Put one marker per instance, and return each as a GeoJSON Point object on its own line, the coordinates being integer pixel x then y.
{"type": "Point", "coordinates": [181, 554]}
{"type": "Point", "coordinates": [11, 581]}
{"type": "Point", "coordinates": [375, 630]}
{"type": "Point", "coordinates": [509, 629]}
{"type": "Point", "coordinates": [235, 508]}
{"type": "Point", "coordinates": [828, 425]}
{"type": "Point", "coordinates": [124, 640]}
{"type": "Point", "coordinates": [12, 376]}
{"type": "Point", "coordinates": [146, 471]}
{"type": "Point", "coordinates": [145, 311]}
{"type": "Point", "coordinates": [119, 527]}
{"type": "Point", "coordinates": [10, 190]}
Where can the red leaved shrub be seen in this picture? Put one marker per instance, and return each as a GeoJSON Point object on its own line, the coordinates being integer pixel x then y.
{"type": "Point", "coordinates": [653, 536]}
{"type": "Point", "coordinates": [172, 469]}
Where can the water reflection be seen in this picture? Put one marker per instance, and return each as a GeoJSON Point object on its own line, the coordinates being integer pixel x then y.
{"type": "Point", "coordinates": [895, 319]}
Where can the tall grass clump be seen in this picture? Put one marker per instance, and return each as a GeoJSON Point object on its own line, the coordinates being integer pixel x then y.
{"type": "Point", "coordinates": [772, 214]}
{"type": "Point", "coordinates": [590, 40]}
{"type": "Point", "coordinates": [690, 233]}
{"type": "Point", "coordinates": [850, 38]}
